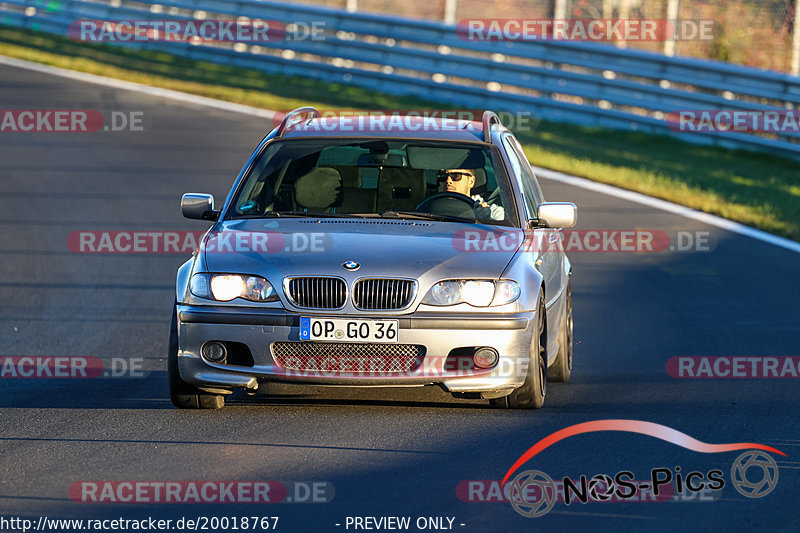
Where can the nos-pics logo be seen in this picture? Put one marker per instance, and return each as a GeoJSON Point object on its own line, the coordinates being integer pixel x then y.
{"type": "Point", "coordinates": [533, 493]}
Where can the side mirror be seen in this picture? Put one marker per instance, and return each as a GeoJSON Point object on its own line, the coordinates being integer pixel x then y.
{"type": "Point", "coordinates": [557, 214]}
{"type": "Point", "coordinates": [198, 206]}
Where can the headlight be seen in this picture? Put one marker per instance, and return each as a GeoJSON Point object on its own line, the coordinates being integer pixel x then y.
{"type": "Point", "coordinates": [226, 287]}
{"type": "Point", "coordinates": [478, 293]}
{"type": "Point", "coordinates": [505, 292]}
{"type": "Point", "coordinates": [444, 293]}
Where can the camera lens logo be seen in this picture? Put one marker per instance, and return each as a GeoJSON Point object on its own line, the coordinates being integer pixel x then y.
{"type": "Point", "coordinates": [601, 487]}
{"type": "Point", "coordinates": [754, 484]}
{"type": "Point", "coordinates": [544, 493]}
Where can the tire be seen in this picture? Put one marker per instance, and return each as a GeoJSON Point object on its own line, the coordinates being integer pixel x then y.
{"type": "Point", "coordinates": [561, 369]}
{"type": "Point", "coordinates": [184, 395]}
{"type": "Point", "coordinates": [534, 389]}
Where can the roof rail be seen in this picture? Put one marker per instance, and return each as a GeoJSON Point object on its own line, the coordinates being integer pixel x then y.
{"type": "Point", "coordinates": [489, 118]}
{"type": "Point", "coordinates": [294, 115]}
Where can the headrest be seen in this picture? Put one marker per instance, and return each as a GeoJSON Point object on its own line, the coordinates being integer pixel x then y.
{"type": "Point", "coordinates": [351, 176]}
{"type": "Point", "coordinates": [480, 177]}
{"type": "Point", "coordinates": [319, 188]}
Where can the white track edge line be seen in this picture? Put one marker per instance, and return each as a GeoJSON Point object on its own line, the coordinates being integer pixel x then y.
{"type": "Point", "coordinates": [610, 190]}
{"type": "Point", "coordinates": [137, 87]}
{"type": "Point", "coordinates": [687, 212]}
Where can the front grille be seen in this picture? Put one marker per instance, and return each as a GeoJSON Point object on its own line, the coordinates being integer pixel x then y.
{"type": "Point", "coordinates": [380, 293]}
{"type": "Point", "coordinates": [348, 357]}
{"type": "Point", "coordinates": [317, 293]}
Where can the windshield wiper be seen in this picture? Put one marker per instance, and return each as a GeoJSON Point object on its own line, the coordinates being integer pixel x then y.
{"type": "Point", "coordinates": [393, 213]}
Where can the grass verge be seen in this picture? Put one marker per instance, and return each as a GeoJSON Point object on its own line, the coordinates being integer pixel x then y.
{"type": "Point", "coordinates": [756, 189]}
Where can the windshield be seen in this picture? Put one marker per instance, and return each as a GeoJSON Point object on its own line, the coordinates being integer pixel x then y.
{"type": "Point", "coordinates": [437, 180]}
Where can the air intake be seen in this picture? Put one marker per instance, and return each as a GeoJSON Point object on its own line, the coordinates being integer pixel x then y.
{"type": "Point", "coordinates": [317, 292]}
{"type": "Point", "coordinates": [383, 294]}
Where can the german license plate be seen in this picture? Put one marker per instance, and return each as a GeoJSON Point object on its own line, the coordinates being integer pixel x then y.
{"type": "Point", "coordinates": [347, 330]}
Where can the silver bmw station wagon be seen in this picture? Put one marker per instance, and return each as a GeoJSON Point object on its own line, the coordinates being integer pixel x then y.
{"type": "Point", "coordinates": [369, 253]}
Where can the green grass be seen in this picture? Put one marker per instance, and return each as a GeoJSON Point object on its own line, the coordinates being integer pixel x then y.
{"type": "Point", "coordinates": [756, 189]}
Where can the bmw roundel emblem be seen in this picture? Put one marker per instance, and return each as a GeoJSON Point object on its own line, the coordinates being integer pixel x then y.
{"type": "Point", "coordinates": [351, 265]}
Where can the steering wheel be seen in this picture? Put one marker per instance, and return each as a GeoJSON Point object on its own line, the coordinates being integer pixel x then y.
{"type": "Point", "coordinates": [448, 203]}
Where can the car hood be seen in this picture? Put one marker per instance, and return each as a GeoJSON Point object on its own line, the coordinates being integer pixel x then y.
{"type": "Point", "coordinates": [427, 251]}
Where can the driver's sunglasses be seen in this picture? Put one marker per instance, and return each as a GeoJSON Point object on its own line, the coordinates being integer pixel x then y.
{"type": "Point", "coordinates": [455, 176]}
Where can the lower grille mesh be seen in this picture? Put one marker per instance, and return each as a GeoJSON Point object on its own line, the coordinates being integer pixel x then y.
{"type": "Point", "coordinates": [348, 357]}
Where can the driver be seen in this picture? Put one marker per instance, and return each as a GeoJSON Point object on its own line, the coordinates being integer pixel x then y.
{"type": "Point", "coordinates": [461, 180]}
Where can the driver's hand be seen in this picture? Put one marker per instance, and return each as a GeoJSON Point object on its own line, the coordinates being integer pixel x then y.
{"type": "Point", "coordinates": [482, 210]}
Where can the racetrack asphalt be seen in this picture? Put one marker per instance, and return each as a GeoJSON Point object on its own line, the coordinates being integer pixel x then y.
{"type": "Point", "coordinates": [385, 452]}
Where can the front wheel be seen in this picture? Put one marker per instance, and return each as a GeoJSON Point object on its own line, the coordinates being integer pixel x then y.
{"type": "Point", "coordinates": [184, 395]}
{"type": "Point", "coordinates": [534, 389]}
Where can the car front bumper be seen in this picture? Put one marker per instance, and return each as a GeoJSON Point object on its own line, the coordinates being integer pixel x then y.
{"type": "Point", "coordinates": [439, 333]}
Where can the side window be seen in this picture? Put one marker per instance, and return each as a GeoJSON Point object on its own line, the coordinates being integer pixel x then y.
{"type": "Point", "coordinates": [523, 171]}
{"type": "Point", "coordinates": [512, 155]}
{"type": "Point", "coordinates": [527, 166]}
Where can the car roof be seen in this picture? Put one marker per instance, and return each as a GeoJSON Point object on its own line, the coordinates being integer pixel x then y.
{"type": "Point", "coordinates": [387, 127]}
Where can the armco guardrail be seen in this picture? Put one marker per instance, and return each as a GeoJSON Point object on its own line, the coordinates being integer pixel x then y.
{"type": "Point", "coordinates": [582, 83]}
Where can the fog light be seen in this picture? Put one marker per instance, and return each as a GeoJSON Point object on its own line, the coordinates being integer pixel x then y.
{"type": "Point", "coordinates": [485, 357]}
{"type": "Point", "coordinates": [214, 351]}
